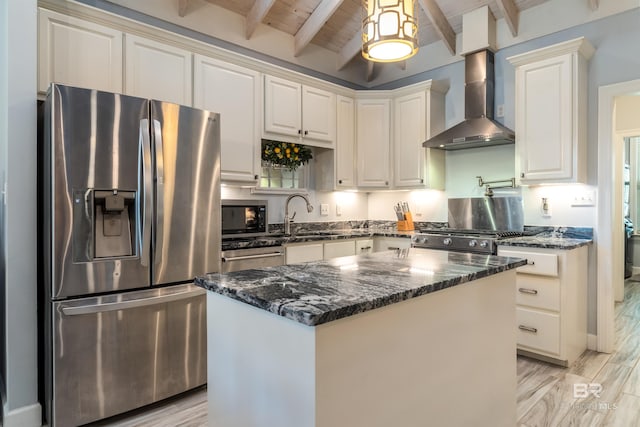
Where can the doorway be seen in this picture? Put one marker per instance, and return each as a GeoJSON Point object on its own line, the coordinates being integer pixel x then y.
{"type": "Point", "coordinates": [609, 234]}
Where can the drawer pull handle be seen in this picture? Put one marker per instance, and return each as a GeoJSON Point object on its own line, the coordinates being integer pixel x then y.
{"type": "Point", "coordinates": [364, 248]}
{"type": "Point", "coordinates": [528, 329]}
{"type": "Point", "coordinates": [531, 262]}
{"type": "Point", "coordinates": [393, 248]}
{"type": "Point", "coordinates": [528, 291]}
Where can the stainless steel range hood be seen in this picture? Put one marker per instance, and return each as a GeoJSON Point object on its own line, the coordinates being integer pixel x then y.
{"type": "Point", "coordinates": [478, 129]}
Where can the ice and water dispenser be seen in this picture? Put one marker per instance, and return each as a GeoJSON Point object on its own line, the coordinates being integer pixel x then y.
{"type": "Point", "coordinates": [104, 224]}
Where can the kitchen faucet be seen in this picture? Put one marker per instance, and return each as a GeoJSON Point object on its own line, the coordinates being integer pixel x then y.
{"type": "Point", "coordinates": [287, 220]}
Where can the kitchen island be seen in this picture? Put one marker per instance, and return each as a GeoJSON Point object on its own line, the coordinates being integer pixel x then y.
{"type": "Point", "coordinates": [408, 338]}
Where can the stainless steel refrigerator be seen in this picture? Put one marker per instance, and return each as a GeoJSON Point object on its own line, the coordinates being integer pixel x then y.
{"type": "Point", "coordinates": [131, 200]}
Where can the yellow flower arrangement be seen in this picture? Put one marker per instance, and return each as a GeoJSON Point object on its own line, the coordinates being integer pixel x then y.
{"type": "Point", "coordinates": [285, 154]}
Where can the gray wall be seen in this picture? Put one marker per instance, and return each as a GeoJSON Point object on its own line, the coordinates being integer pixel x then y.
{"type": "Point", "coordinates": [18, 48]}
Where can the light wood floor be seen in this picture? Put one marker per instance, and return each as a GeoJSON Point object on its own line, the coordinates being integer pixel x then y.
{"type": "Point", "coordinates": [544, 394]}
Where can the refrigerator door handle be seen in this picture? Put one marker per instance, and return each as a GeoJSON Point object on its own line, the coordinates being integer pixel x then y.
{"type": "Point", "coordinates": [136, 303]}
{"type": "Point", "coordinates": [159, 241]}
{"type": "Point", "coordinates": [145, 212]}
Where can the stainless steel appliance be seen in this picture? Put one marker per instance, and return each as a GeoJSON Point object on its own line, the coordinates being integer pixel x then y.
{"type": "Point", "coordinates": [243, 218]}
{"type": "Point", "coordinates": [131, 204]}
{"type": "Point", "coordinates": [245, 259]}
{"type": "Point", "coordinates": [475, 225]}
{"type": "Point", "coordinates": [478, 129]}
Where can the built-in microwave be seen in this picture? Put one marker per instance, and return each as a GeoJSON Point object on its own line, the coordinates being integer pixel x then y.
{"type": "Point", "coordinates": [244, 218]}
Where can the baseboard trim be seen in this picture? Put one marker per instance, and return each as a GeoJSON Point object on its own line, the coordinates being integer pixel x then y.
{"type": "Point", "coordinates": [26, 416]}
{"type": "Point", "coordinates": [592, 342]}
{"type": "Point", "coordinates": [635, 270]}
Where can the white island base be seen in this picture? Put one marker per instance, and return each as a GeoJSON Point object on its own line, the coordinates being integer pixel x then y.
{"type": "Point", "coordinates": [447, 358]}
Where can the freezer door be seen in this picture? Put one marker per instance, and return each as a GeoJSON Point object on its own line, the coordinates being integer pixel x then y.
{"type": "Point", "coordinates": [92, 161]}
{"type": "Point", "coordinates": [186, 241]}
{"type": "Point", "coordinates": [119, 352]}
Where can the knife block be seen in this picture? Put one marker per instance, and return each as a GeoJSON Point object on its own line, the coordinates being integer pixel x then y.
{"type": "Point", "coordinates": [407, 223]}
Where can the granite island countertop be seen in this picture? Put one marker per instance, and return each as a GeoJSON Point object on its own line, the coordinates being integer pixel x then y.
{"type": "Point", "coordinates": [319, 292]}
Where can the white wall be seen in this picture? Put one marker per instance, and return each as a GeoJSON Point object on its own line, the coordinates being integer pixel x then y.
{"type": "Point", "coordinates": [425, 205]}
{"type": "Point", "coordinates": [18, 129]}
{"type": "Point", "coordinates": [627, 113]}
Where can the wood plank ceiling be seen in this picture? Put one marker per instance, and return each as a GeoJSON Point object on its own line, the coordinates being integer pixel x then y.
{"type": "Point", "coordinates": [336, 24]}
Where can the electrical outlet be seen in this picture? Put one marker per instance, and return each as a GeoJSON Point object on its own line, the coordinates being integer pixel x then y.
{"type": "Point", "coordinates": [324, 209]}
{"type": "Point", "coordinates": [338, 210]}
{"type": "Point", "coordinates": [500, 110]}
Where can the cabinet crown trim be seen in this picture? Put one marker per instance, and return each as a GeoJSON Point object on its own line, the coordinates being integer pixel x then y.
{"type": "Point", "coordinates": [580, 45]}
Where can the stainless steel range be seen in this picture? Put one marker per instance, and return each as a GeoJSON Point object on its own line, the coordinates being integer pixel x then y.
{"type": "Point", "coordinates": [476, 225]}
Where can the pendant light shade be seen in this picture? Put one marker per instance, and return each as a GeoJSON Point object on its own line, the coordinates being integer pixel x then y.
{"type": "Point", "coordinates": [389, 31]}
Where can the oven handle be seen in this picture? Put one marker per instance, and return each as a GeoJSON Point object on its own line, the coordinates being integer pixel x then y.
{"type": "Point", "coordinates": [238, 258]}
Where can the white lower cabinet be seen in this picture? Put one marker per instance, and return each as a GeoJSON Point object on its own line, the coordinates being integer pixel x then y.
{"type": "Point", "coordinates": [551, 302]}
{"type": "Point", "coordinates": [317, 251]}
{"type": "Point", "coordinates": [339, 248]}
{"type": "Point", "coordinates": [364, 246]}
{"type": "Point", "coordinates": [303, 252]}
{"type": "Point", "coordinates": [390, 243]}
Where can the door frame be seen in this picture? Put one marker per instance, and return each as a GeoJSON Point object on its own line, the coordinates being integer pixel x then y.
{"type": "Point", "coordinates": [608, 236]}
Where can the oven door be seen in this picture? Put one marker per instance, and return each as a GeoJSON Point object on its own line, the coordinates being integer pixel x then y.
{"type": "Point", "coordinates": [245, 259]}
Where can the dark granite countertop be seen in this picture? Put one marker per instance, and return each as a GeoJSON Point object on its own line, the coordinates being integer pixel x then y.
{"type": "Point", "coordinates": [546, 241]}
{"type": "Point", "coordinates": [319, 292]}
{"type": "Point", "coordinates": [278, 239]}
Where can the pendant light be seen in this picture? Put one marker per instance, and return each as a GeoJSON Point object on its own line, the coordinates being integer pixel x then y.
{"type": "Point", "coordinates": [389, 31]}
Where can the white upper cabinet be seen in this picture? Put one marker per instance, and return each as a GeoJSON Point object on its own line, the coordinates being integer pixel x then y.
{"type": "Point", "coordinates": [373, 142]}
{"type": "Point", "coordinates": [298, 113]}
{"type": "Point", "coordinates": [551, 113]}
{"type": "Point", "coordinates": [157, 70]}
{"type": "Point", "coordinates": [345, 143]}
{"type": "Point", "coordinates": [236, 93]}
{"type": "Point", "coordinates": [418, 115]}
{"type": "Point", "coordinates": [78, 53]}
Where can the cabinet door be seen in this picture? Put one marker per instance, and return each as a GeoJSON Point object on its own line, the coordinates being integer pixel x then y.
{"type": "Point", "coordinates": [410, 133]}
{"type": "Point", "coordinates": [364, 246]}
{"type": "Point", "coordinates": [338, 249]}
{"type": "Point", "coordinates": [235, 93]}
{"type": "Point", "coordinates": [544, 119]}
{"type": "Point", "coordinates": [390, 243]}
{"type": "Point", "coordinates": [345, 143]}
{"type": "Point", "coordinates": [158, 71]}
{"type": "Point", "coordinates": [282, 106]}
{"type": "Point", "coordinates": [78, 53]}
{"type": "Point", "coordinates": [318, 114]}
{"type": "Point", "coordinates": [303, 253]}
{"type": "Point", "coordinates": [372, 142]}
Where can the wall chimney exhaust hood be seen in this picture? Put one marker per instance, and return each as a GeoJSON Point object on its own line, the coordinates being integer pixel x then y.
{"type": "Point", "coordinates": [478, 129]}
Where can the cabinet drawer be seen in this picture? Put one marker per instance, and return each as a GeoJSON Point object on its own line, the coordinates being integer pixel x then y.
{"type": "Point", "coordinates": [304, 253]}
{"type": "Point", "coordinates": [338, 249]}
{"type": "Point", "coordinates": [538, 330]}
{"type": "Point", "coordinates": [539, 292]}
{"type": "Point", "coordinates": [537, 263]}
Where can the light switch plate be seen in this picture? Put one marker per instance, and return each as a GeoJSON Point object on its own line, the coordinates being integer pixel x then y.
{"type": "Point", "coordinates": [324, 209]}
{"type": "Point", "coordinates": [584, 198]}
